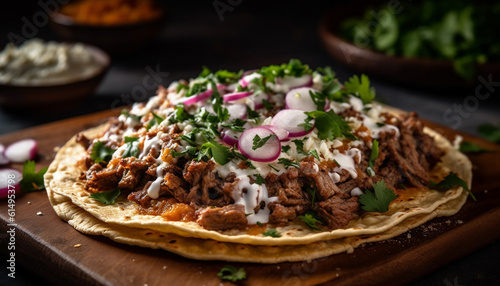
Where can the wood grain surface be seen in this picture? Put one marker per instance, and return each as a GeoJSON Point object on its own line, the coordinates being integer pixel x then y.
{"type": "Point", "coordinates": [46, 245]}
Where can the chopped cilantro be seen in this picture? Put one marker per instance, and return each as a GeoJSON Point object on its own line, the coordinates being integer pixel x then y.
{"type": "Point", "coordinates": [108, 197]}
{"type": "Point", "coordinates": [212, 149]}
{"type": "Point", "coordinates": [252, 114]}
{"type": "Point", "coordinates": [307, 124]}
{"type": "Point", "coordinates": [374, 154]}
{"type": "Point", "coordinates": [272, 232]}
{"type": "Point", "coordinates": [259, 224]}
{"type": "Point", "coordinates": [154, 121]}
{"type": "Point", "coordinates": [314, 153]}
{"type": "Point", "coordinates": [227, 77]}
{"type": "Point", "coordinates": [131, 148]}
{"type": "Point", "coordinates": [190, 150]}
{"type": "Point", "coordinates": [294, 68]}
{"type": "Point", "coordinates": [336, 162]}
{"type": "Point", "coordinates": [288, 163]}
{"type": "Point", "coordinates": [330, 125]}
{"type": "Point", "coordinates": [312, 194]}
{"type": "Point", "coordinates": [32, 181]}
{"type": "Point", "coordinates": [285, 148]}
{"type": "Point", "coordinates": [236, 125]}
{"type": "Point", "coordinates": [205, 71]}
{"type": "Point", "coordinates": [180, 114]}
{"type": "Point", "coordinates": [310, 220]}
{"type": "Point", "coordinates": [232, 273]}
{"type": "Point", "coordinates": [267, 104]}
{"type": "Point", "coordinates": [319, 99]}
{"type": "Point", "coordinates": [379, 200]}
{"type": "Point", "coordinates": [469, 147]}
{"type": "Point", "coordinates": [259, 180]}
{"type": "Point", "coordinates": [360, 88]}
{"type": "Point", "coordinates": [133, 116]}
{"type": "Point", "coordinates": [259, 142]}
{"type": "Point", "coordinates": [450, 181]}
{"type": "Point", "coordinates": [274, 168]}
{"type": "Point", "coordinates": [100, 153]}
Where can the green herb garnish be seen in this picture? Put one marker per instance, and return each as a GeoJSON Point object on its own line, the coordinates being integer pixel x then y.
{"type": "Point", "coordinates": [450, 181]}
{"type": "Point", "coordinates": [288, 163]}
{"type": "Point", "coordinates": [108, 197]}
{"type": "Point", "coordinates": [330, 125]}
{"type": "Point", "coordinates": [32, 180]}
{"type": "Point", "coordinates": [259, 142]}
{"type": "Point", "coordinates": [379, 200]}
{"type": "Point", "coordinates": [232, 273]}
{"type": "Point", "coordinates": [272, 232]}
{"type": "Point", "coordinates": [100, 153]}
{"type": "Point", "coordinates": [310, 220]}
{"type": "Point", "coordinates": [469, 147]}
{"type": "Point", "coordinates": [131, 148]}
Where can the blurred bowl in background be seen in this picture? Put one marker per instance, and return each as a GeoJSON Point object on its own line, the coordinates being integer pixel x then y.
{"type": "Point", "coordinates": [58, 97]}
{"type": "Point", "coordinates": [416, 72]}
{"type": "Point", "coordinates": [118, 38]}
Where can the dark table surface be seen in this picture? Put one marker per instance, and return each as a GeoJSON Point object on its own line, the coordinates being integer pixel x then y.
{"type": "Point", "coordinates": [250, 35]}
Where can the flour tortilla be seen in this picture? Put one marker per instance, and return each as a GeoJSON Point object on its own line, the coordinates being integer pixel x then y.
{"type": "Point", "coordinates": [208, 249]}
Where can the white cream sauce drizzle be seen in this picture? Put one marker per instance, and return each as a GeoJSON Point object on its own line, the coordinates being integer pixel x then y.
{"type": "Point", "coordinates": [251, 196]}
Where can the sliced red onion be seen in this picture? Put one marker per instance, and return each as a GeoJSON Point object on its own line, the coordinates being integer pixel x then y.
{"type": "Point", "coordinates": [289, 119]}
{"type": "Point", "coordinates": [200, 96]}
{"type": "Point", "coordinates": [281, 133]}
{"type": "Point", "coordinates": [236, 95]}
{"type": "Point", "coordinates": [246, 79]}
{"type": "Point", "coordinates": [258, 99]}
{"type": "Point", "coordinates": [268, 152]}
{"type": "Point", "coordinates": [195, 98]}
{"type": "Point", "coordinates": [294, 82]}
{"type": "Point", "coordinates": [9, 181]}
{"type": "Point", "coordinates": [230, 136]}
{"type": "Point", "coordinates": [3, 159]}
{"type": "Point", "coordinates": [21, 151]}
{"type": "Point", "coordinates": [300, 98]}
{"type": "Point", "coordinates": [237, 111]}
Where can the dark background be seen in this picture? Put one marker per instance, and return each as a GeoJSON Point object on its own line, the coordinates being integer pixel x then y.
{"type": "Point", "coordinates": [253, 34]}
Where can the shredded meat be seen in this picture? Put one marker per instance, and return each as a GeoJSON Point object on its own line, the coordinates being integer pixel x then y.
{"type": "Point", "coordinates": [404, 158]}
{"type": "Point", "coordinates": [220, 218]}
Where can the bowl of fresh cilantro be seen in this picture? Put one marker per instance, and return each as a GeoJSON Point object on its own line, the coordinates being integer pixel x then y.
{"type": "Point", "coordinates": [441, 44]}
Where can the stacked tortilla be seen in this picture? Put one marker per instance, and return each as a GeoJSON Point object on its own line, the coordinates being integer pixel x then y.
{"type": "Point", "coordinates": [123, 223]}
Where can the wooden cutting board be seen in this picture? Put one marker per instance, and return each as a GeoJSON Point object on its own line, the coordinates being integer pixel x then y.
{"type": "Point", "coordinates": [46, 245]}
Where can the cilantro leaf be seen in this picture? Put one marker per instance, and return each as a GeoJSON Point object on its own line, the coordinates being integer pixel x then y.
{"type": "Point", "coordinates": [379, 200]}
{"type": "Point", "coordinates": [294, 68]}
{"type": "Point", "coordinates": [319, 99]}
{"type": "Point", "coordinates": [287, 163]}
{"type": "Point", "coordinates": [272, 232]}
{"type": "Point", "coordinates": [259, 142]}
{"type": "Point", "coordinates": [232, 273]}
{"type": "Point", "coordinates": [133, 116]}
{"type": "Point", "coordinates": [285, 148]}
{"type": "Point", "coordinates": [360, 87]}
{"type": "Point", "coordinates": [252, 114]}
{"type": "Point", "coordinates": [450, 181]}
{"type": "Point", "coordinates": [267, 104]}
{"type": "Point", "coordinates": [312, 194]}
{"type": "Point", "coordinates": [180, 114]}
{"type": "Point", "coordinates": [227, 77]}
{"type": "Point", "coordinates": [100, 153]}
{"type": "Point", "coordinates": [274, 168]}
{"type": "Point", "coordinates": [310, 220]}
{"type": "Point", "coordinates": [131, 148]}
{"type": "Point", "coordinates": [373, 154]}
{"type": "Point", "coordinates": [154, 121]}
{"type": "Point", "coordinates": [330, 125]}
{"type": "Point", "coordinates": [108, 197]}
{"type": "Point", "coordinates": [259, 180]}
{"type": "Point", "coordinates": [220, 153]}
{"type": "Point", "coordinates": [32, 181]}
{"type": "Point", "coordinates": [314, 153]}
{"type": "Point", "coordinates": [490, 132]}
{"type": "Point", "coordinates": [469, 147]}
